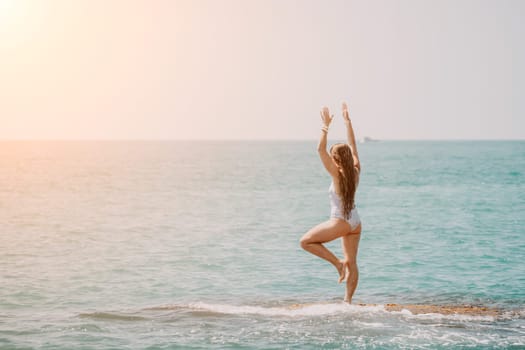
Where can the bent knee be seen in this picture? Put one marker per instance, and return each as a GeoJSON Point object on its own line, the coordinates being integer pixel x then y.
{"type": "Point", "coordinates": [305, 241]}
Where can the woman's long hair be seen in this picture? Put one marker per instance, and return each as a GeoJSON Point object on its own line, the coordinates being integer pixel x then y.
{"type": "Point", "coordinates": [342, 155]}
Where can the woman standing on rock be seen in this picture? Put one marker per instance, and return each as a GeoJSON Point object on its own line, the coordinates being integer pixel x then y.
{"type": "Point", "coordinates": [342, 163]}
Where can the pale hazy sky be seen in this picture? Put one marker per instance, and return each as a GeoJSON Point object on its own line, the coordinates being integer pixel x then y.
{"type": "Point", "coordinates": [261, 69]}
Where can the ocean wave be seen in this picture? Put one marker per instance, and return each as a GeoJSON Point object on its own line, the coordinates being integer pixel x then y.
{"type": "Point", "coordinates": [112, 316]}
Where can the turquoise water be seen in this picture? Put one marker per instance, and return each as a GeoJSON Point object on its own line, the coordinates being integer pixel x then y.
{"type": "Point", "coordinates": [175, 245]}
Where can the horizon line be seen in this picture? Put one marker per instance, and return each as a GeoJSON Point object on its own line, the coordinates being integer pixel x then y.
{"type": "Point", "coordinates": [359, 140]}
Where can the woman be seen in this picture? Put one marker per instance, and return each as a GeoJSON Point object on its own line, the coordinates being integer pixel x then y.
{"type": "Point", "coordinates": [342, 163]}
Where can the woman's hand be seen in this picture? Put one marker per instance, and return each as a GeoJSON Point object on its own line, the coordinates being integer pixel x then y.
{"type": "Point", "coordinates": [325, 116]}
{"type": "Point", "coordinates": [346, 115]}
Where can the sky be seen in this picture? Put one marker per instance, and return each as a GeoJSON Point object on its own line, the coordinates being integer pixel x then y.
{"type": "Point", "coordinates": [261, 69]}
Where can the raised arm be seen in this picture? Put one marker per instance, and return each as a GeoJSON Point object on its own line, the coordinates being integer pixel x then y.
{"type": "Point", "coordinates": [351, 136]}
{"type": "Point", "coordinates": [321, 146]}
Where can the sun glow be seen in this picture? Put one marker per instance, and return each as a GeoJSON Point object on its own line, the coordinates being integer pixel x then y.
{"type": "Point", "coordinates": [14, 19]}
{"type": "Point", "coordinates": [7, 8]}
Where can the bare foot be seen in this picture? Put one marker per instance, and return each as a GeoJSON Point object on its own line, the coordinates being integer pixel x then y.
{"type": "Point", "coordinates": [341, 268]}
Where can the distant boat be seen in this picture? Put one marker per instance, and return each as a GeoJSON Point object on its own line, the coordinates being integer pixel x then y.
{"type": "Point", "coordinates": [369, 139]}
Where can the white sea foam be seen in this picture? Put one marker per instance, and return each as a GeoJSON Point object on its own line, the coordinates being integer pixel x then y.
{"type": "Point", "coordinates": [437, 316]}
{"type": "Point", "coordinates": [319, 309]}
{"type": "Point", "coordinates": [322, 309]}
{"type": "Point", "coordinates": [455, 317]}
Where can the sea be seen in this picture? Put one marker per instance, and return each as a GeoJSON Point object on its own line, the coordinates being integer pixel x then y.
{"type": "Point", "coordinates": [195, 245]}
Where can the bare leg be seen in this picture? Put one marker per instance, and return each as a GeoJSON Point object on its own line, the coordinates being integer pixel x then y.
{"type": "Point", "coordinates": [327, 231]}
{"type": "Point", "coordinates": [350, 244]}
